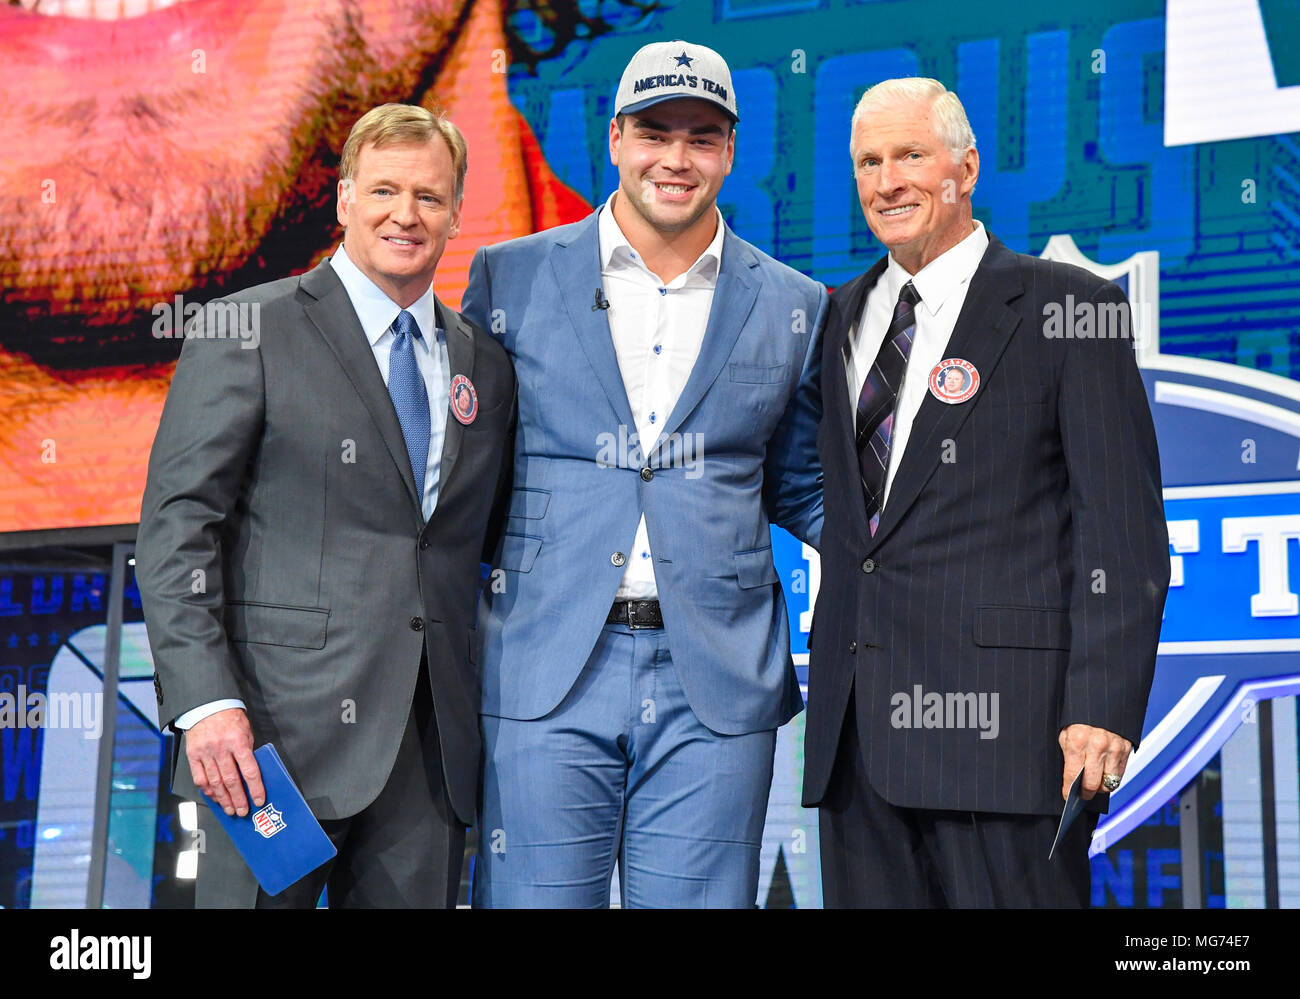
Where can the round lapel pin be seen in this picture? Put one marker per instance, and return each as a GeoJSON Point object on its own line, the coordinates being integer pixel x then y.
{"type": "Point", "coordinates": [954, 380]}
{"type": "Point", "coordinates": [464, 400]}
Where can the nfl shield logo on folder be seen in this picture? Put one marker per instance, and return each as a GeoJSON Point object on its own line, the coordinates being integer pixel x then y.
{"type": "Point", "coordinates": [268, 821]}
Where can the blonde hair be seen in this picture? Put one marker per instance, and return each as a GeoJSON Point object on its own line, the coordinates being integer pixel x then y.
{"type": "Point", "coordinates": [950, 122]}
{"type": "Point", "coordinates": [393, 124]}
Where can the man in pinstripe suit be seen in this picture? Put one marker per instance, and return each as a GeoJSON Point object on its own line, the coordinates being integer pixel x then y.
{"type": "Point", "coordinates": [994, 557]}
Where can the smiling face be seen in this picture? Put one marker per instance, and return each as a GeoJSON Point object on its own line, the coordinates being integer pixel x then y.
{"type": "Point", "coordinates": [398, 212]}
{"type": "Point", "coordinates": [916, 199]}
{"type": "Point", "coordinates": [671, 159]}
{"type": "Point", "coordinates": [953, 379]}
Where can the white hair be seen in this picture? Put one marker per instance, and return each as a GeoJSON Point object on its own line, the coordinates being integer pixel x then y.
{"type": "Point", "coordinates": [950, 122]}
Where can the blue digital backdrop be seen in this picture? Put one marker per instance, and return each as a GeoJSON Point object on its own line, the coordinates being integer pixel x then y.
{"type": "Point", "coordinates": [1078, 137]}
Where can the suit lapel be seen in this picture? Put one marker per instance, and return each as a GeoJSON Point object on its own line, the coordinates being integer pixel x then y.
{"type": "Point", "coordinates": [733, 300]}
{"type": "Point", "coordinates": [854, 296]}
{"type": "Point", "coordinates": [840, 406]}
{"type": "Point", "coordinates": [460, 358]}
{"type": "Point", "coordinates": [331, 312]}
{"type": "Point", "coordinates": [980, 336]}
{"type": "Point", "coordinates": [577, 272]}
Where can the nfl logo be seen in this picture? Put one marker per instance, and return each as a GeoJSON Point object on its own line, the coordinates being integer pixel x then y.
{"type": "Point", "coordinates": [268, 821]}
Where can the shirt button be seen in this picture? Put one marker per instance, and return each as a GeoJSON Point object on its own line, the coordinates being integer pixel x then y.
{"type": "Point", "coordinates": [618, 559]}
{"type": "Point", "coordinates": [652, 417]}
{"type": "Point", "coordinates": [659, 348]}
{"type": "Point", "coordinates": [645, 554]}
{"type": "Point", "coordinates": [663, 291]}
{"type": "Point", "coordinates": [853, 647]}
{"type": "Point", "coordinates": [868, 565]}
{"type": "Point", "coordinates": [647, 474]}
{"type": "Point", "coordinates": [417, 624]}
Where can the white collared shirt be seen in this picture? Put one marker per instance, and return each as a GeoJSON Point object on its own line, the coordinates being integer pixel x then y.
{"type": "Point", "coordinates": [942, 285]}
{"type": "Point", "coordinates": [377, 311]}
{"type": "Point", "coordinates": [657, 330]}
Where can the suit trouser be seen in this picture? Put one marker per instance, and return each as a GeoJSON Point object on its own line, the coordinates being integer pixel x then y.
{"type": "Point", "coordinates": [621, 770]}
{"type": "Point", "coordinates": [404, 850]}
{"type": "Point", "coordinates": [875, 854]}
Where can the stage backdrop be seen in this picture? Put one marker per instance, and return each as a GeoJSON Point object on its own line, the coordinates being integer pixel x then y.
{"type": "Point", "coordinates": [157, 161]}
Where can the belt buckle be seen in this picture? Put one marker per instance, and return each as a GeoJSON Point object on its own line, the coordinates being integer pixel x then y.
{"type": "Point", "coordinates": [635, 614]}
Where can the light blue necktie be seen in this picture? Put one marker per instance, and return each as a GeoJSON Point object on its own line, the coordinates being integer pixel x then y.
{"type": "Point", "coordinates": [410, 397]}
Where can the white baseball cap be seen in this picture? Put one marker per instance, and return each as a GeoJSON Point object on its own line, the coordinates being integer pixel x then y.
{"type": "Point", "coordinates": [664, 71]}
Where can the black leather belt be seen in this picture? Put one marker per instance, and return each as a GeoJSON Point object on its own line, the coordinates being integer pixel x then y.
{"type": "Point", "coordinates": [636, 614]}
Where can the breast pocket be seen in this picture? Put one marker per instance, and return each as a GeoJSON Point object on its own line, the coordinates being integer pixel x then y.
{"type": "Point", "coordinates": [1016, 389]}
{"type": "Point", "coordinates": [756, 374]}
{"type": "Point", "coordinates": [486, 419]}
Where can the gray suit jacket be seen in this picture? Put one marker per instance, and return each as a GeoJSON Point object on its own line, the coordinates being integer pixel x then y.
{"type": "Point", "coordinates": [282, 557]}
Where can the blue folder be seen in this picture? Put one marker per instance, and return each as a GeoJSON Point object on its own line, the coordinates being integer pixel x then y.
{"type": "Point", "coordinates": [281, 842]}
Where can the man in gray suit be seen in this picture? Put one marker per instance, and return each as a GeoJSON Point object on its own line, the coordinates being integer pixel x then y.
{"type": "Point", "coordinates": [320, 493]}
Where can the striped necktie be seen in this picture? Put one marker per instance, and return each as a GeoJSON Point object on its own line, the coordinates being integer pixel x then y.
{"type": "Point", "coordinates": [878, 401]}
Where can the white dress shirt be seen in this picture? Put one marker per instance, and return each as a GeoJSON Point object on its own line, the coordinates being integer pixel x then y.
{"type": "Point", "coordinates": [377, 312]}
{"type": "Point", "coordinates": [657, 330]}
{"type": "Point", "coordinates": [942, 285]}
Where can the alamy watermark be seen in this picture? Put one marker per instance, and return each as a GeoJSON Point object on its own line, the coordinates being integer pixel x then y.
{"type": "Point", "coordinates": [1087, 320]}
{"type": "Point", "coordinates": [221, 321]}
{"type": "Point", "coordinates": [623, 450]}
{"type": "Point", "coordinates": [931, 709]}
{"type": "Point", "coordinates": [36, 709]}
{"type": "Point", "coordinates": [75, 952]}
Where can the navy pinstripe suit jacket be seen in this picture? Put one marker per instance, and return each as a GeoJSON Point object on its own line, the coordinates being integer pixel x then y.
{"type": "Point", "coordinates": [1023, 553]}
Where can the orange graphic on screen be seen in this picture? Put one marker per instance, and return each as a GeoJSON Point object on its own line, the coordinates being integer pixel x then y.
{"type": "Point", "coordinates": [191, 148]}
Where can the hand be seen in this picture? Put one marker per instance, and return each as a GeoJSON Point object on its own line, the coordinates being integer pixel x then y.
{"type": "Point", "coordinates": [220, 750]}
{"type": "Point", "coordinates": [1096, 751]}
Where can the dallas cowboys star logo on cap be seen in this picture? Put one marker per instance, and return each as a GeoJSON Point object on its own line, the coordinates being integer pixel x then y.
{"type": "Point", "coordinates": [662, 71]}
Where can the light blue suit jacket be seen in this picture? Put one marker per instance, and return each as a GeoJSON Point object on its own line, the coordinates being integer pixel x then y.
{"type": "Point", "coordinates": [738, 451]}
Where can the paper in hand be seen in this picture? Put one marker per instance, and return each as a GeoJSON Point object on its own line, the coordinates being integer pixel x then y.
{"type": "Point", "coordinates": [1073, 806]}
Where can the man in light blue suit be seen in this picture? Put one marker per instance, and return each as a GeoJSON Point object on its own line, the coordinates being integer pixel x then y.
{"type": "Point", "coordinates": [636, 649]}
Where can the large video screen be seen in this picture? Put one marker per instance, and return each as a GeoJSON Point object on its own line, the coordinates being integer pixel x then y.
{"type": "Point", "coordinates": [160, 153]}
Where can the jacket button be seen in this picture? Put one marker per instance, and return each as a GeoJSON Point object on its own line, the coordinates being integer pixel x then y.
{"type": "Point", "coordinates": [424, 543]}
{"type": "Point", "coordinates": [853, 647]}
{"type": "Point", "coordinates": [868, 565]}
{"type": "Point", "coordinates": [618, 559]}
{"type": "Point", "coordinates": [417, 624]}
{"type": "Point", "coordinates": [647, 474]}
